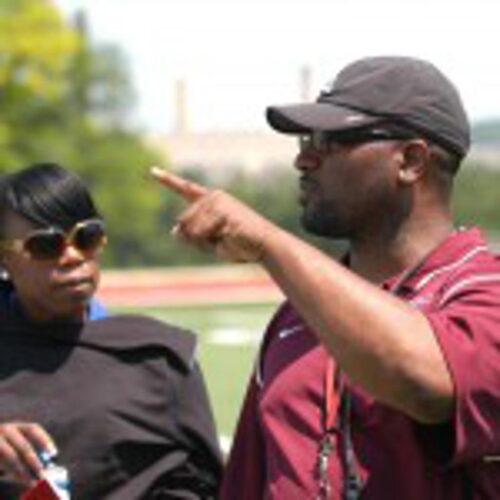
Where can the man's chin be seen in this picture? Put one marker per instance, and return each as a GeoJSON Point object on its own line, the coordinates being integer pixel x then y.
{"type": "Point", "coordinates": [314, 226]}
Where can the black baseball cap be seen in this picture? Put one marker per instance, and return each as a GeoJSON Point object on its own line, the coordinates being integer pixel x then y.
{"type": "Point", "coordinates": [404, 90]}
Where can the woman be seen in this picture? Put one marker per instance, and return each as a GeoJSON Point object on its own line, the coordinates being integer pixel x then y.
{"type": "Point", "coordinates": [122, 399]}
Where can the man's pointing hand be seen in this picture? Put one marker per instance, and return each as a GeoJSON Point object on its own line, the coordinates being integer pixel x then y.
{"type": "Point", "coordinates": [217, 221]}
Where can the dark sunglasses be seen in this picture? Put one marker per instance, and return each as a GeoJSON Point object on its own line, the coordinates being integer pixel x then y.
{"type": "Point", "coordinates": [320, 140]}
{"type": "Point", "coordinates": [88, 237]}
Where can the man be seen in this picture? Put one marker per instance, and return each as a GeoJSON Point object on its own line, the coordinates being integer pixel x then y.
{"type": "Point", "coordinates": [379, 378]}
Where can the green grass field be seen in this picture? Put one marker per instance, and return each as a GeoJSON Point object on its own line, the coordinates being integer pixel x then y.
{"type": "Point", "coordinates": [229, 337]}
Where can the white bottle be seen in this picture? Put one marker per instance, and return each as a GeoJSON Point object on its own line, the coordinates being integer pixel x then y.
{"type": "Point", "coordinates": [56, 475]}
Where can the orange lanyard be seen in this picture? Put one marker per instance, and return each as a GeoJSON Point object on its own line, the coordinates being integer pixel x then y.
{"type": "Point", "coordinates": [333, 391]}
{"type": "Point", "coordinates": [332, 411]}
{"type": "Point", "coordinates": [337, 416]}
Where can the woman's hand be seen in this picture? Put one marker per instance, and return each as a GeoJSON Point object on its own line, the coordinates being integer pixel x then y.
{"type": "Point", "coordinates": [20, 443]}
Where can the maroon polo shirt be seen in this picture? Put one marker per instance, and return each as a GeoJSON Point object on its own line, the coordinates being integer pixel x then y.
{"type": "Point", "coordinates": [275, 449]}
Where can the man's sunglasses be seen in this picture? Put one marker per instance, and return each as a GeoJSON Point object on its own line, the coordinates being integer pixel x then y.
{"type": "Point", "coordinates": [88, 237]}
{"type": "Point", "coordinates": [320, 140]}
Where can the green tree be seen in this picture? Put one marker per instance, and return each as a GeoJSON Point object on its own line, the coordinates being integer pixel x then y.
{"type": "Point", "coordinates": [65, 99]}
{"type": "Point", "coordinates": [35, 50]}
{"type": "Point", "coordinates": [476, 200]}
{"type": "Point", "coordinates": [486, 132]}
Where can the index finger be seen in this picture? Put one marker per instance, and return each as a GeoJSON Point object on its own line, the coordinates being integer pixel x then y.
{"type": "Point", "coordinates": [189, 190]}
{"type": "Point", "coordinates": [39, 437]}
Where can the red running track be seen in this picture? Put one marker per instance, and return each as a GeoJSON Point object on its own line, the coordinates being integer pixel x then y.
{"type": "Point", "coordinates": [186, 286]}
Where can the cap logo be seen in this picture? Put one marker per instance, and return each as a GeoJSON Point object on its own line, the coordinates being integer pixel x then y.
{"type": "Point", "coordinates": [354, 118]}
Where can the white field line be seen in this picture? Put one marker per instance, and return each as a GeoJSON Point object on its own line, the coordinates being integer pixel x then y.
{"type": "Point", "coordinates": [234, 336]}
{"type": "Point", "coordinates": [225, 444]}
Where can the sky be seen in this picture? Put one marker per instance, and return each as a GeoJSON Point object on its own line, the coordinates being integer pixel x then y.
{"type": "Point", "coordinates": [238, 56]}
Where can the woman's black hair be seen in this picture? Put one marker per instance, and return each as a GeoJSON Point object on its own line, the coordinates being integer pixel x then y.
{"type": "Point", "coordinates": [46, 194]}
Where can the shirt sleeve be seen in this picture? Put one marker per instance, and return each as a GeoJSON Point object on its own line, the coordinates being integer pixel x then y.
{"type": "Point", "coordinates": [467, 325]}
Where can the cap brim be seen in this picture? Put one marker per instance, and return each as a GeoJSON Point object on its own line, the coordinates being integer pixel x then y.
{"type": "Point", "coordinates": [303, 118]}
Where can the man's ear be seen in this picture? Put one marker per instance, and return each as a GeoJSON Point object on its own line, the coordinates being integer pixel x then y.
{"type": "Point", "coordinates": [414, 158]}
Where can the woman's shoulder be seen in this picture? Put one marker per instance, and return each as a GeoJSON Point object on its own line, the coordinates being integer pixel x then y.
{"type": "Point", "coordinates": [119, 335]}
{"type": "Point", "coordinates": [137, 332]}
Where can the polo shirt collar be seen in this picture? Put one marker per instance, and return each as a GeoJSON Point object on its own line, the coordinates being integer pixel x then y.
{"type": "Point", "coordinates": [458, 247]}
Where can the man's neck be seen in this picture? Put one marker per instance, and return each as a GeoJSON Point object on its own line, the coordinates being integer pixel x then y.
{"type": "Point", "coordinates": [379, 258]}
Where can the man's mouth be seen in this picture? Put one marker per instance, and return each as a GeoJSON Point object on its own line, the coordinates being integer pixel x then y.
{"type": "Point", "coordinates": [306, 187]}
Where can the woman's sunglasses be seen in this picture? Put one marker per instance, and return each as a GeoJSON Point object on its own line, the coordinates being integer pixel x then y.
{"type": "Point", "coordinates": [88, 237]}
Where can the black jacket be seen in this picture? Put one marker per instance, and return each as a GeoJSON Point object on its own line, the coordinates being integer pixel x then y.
{"type": "Point", "coordinates": [124, 400]}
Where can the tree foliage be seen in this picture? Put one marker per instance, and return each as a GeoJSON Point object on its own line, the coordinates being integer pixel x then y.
{"type": "Point", "coordinates": [476, 200]}
{"type": "Point", "coordinates": [35, 48]}
{"type": "Point", "coordinates": [487, 132]}
{"type": "Point", "coordinates": [65, 99]}
{"type": "Point", "coordinates": [35, 45]}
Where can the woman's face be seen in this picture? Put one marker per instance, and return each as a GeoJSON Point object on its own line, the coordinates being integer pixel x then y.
{"type": "Point", "coordinates": [58, 289]}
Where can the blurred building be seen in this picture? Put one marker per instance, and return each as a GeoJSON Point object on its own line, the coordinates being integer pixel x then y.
{"type": "Point", "coordinates": [224, 152]}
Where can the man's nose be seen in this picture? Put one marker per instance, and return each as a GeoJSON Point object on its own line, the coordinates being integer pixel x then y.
{"type": "Point", "coordinates": [307, 160]}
